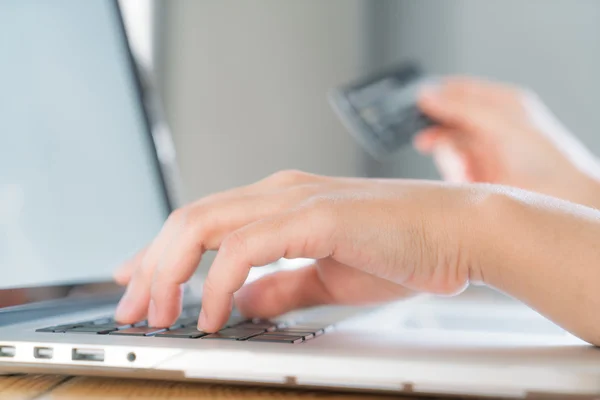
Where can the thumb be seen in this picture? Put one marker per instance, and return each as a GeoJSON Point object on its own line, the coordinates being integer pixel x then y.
{"type": "Point", "coordinates": [281, 292]}
{"type": "Point", "coordinates": [326, 282]}
{"type": "Point", "coordinates": [450, 151]}
{"type": "Point", "coordinates": [460, 110]}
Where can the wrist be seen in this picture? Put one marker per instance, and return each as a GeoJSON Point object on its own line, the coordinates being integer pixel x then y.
{"type": "Point", "coordinates": [517, 236]}
{"type": "Point", "coordinates": [507, 227]}
{"type": "Point", "coordinates": [591, 192]}
{"type": "Point", "coordinates": [543, 252]}
{"type": "Point", "coordinates": [482, 221]}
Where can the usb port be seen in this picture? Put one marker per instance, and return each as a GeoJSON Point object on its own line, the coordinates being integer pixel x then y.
{"type": "Point", "coordinates": [43, 352]}
{"type": "Point", "coordinates": [87, 355]}
{"type": "Point", "coordinates": [7, 351]}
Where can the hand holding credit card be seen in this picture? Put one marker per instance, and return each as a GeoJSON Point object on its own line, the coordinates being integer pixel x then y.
{"type": "Point", "coordinates": [381, 110]}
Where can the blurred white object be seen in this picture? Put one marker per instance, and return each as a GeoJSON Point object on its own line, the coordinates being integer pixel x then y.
{"type": "Point", "coordinates": [139, 17]}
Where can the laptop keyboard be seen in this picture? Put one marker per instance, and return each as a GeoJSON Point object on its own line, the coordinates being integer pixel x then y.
{"type": "Point", "coordinates": [237, 328]}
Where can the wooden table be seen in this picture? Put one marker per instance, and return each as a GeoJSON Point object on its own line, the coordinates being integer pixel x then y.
{"type": "Point", "coordinates": [55, 387]}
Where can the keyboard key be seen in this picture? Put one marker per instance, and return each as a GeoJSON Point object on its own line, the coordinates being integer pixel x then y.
{"type": "Point", "coordinates": [317, 330]}
{"type": "Point", "coordinates": [235, 334]}
{"type": "Point", "coordinates": [49, 329]}
{"type": "Point", "coordinates": [305, 335]}
{"type": "Point", "coordinates": [271, 338]}
{"type": "Point", "coordinates": [139, 331]}
{"type": "Point", "coordinates": [59, 328]}
{"type": "Point", "coordinates": [98, 325]}
{"type": "Point", "coordinates": [114, 326]}
{"type": "Point", "coordinates": [117, 326]}
{"type": "Point", "coordinates": [262, 327]}
{"type": "Point", "coordinates": [267, 325]}
{"type": "Point", "coordinates": [185, 323]}
{"type": "Point", "coordinates": [97, 329]}
{"type": "Point", "coordinates": [293, 330]}
{"type": "Point", "coordinates": [189, 333]}
{"type": "Point", "coordinates": [103, 321]}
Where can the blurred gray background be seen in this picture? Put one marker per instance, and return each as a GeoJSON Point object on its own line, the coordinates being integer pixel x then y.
{"type": "Point", "coordinates": [244, 83]}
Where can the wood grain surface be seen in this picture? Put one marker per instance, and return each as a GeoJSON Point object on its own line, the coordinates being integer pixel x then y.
{"type": "Point", "coordinates": [28, 387]}
{"type": "Point", "coordinates": [52, 387]}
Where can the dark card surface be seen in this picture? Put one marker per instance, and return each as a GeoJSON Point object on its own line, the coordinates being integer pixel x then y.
{"type": "Point", "coordinates": [381, 110]}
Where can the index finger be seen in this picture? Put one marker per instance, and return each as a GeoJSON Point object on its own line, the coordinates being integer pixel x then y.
{"type": "Point", "coordinates": [469, 105]}
{"type": "Point", "coordinates": [302, 233]}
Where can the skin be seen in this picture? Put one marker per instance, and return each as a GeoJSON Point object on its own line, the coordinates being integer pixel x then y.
{"type": "Point", "coordinates": [380, 240]}
{"type": "Point", "coordinates": [497, 133]}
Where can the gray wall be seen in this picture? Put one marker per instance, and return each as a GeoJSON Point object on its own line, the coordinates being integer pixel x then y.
{"type": "Point", "coordinates": [244, 86]}
{"type": "Point", "coordinates": [552, 47]}
{"type": "Point", "coordinates": [244, 82]}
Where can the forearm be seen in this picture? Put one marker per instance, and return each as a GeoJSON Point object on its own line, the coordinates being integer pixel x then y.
{"type": "Point", "coordinates": [583, 189]}
{"type": "Point", "coordinates": [546, 253]}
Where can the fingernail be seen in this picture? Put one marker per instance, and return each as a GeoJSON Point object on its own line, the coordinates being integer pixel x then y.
{"type": "Point", "coordinates": [202, 320]}
{"type": "Point", "coordinates": [152, 313]}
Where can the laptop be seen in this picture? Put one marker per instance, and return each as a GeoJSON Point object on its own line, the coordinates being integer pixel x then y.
{"type": "Point", "coordinates": [85, 182]}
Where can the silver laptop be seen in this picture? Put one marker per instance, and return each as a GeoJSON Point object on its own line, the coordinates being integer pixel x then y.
{"type": "Point", "coordinates": [83, 186]}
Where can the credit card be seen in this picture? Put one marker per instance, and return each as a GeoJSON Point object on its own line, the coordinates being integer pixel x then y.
{"type": "Point", "coordinates": [381, 111]}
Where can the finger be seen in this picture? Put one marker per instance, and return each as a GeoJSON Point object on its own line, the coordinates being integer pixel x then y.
{"type": "Point", "coordinates": [327, 282]}
{"type": "Point", "coordinates": [135, 303]}
{"type": "Point", "coordinates": [353, 286]}
{"type": "Point", "coordinates": [123, 274]}
{"type": "Point", "coordinates": [280, 179]}
{"type": "Point", "coordinates": [451, 161]}
{"type": "Point", "coordinates": [452, 112]}
{"type": "Point", "coordinates": [451, 152]}
{"type": "Point", "coordinates": [205, 230]}
{"type": "Point", "coordinates": [425, 141]}
{"type": "Point", "coordinates": [304, 233]}
{"type": "Point", "coordinates": [281, 292]}
{"type": "Point", "coordinates": [503, 98]}
{"type": "Point", "coordinates": [463, 107]}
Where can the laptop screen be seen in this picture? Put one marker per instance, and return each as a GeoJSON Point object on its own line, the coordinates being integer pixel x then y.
{"type": "Point", "coordinates": [80, 188]}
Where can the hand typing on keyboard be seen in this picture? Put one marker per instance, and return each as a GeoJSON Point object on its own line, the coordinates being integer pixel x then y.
{"type": "Point", "coordinates": [373, 241]}
{"type": "Point", "coordinates": [370, 239]}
